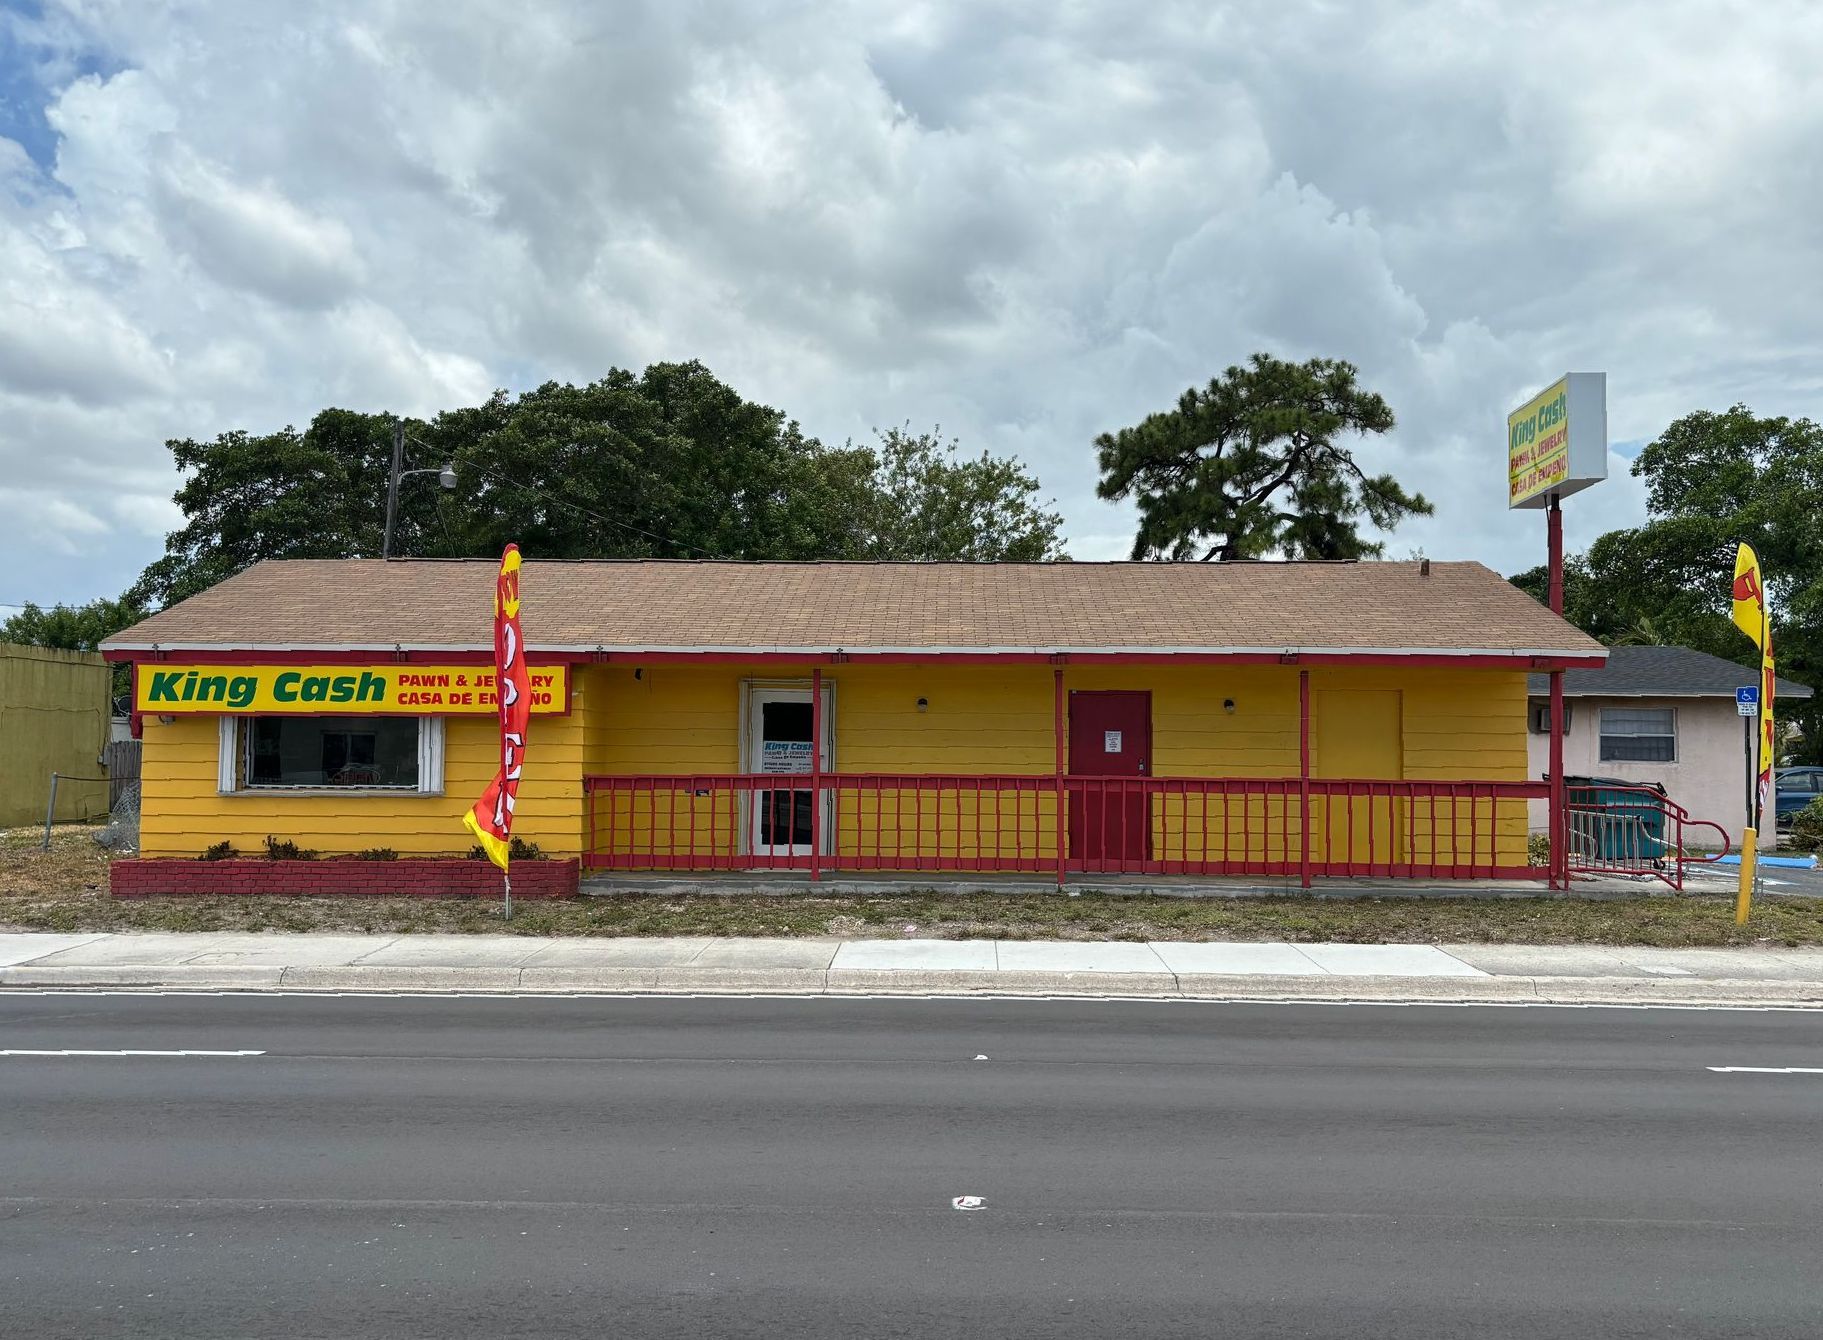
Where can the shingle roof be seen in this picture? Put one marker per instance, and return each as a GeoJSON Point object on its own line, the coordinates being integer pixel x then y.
{"type": "Point", "coordinates": [1660, 672]}
{"type": "Point", "coordinates": [1457, 608]}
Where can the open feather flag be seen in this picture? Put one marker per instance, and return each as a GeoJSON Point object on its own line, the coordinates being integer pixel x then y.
{"type": "Point", "coordinates": [1750, 617]}
{"type": "Point", "coordinates": [491, 819]}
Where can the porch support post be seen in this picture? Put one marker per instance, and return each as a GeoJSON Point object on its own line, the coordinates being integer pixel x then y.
{"type": "Point", "coordinates": [816, 774]}
{"type": "Point", "coordinates": [1063, 816]}
{"type": "Point", "coordinates": [1304, 777]}
{"type": "Point", "coordinates": [1559, 825]}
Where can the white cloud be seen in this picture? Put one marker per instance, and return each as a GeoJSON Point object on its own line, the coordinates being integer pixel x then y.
{"type": "Point", "coordinates": [1028, 222]}
{"type": "Point", "coordinates": [251, 237]}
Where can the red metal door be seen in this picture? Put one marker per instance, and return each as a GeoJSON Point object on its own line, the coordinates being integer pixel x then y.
{"type": "Point", "coordinates": [1111, 739]}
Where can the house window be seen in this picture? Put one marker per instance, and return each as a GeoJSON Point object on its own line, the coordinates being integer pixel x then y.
{"type": "Point", "coordinates": [332, 753]}
{"type": "Point", "coordinates": [1638, 735]}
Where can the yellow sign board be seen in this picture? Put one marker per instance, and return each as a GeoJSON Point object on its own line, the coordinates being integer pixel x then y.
{"type": "Point", "coordinates": [1557, 442]}
{"type": "Point", "coordinates": [396, 689]}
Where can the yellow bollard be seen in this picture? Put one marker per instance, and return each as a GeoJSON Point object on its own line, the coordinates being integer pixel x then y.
{"type": "Point", "coordinates": [1750, 853]}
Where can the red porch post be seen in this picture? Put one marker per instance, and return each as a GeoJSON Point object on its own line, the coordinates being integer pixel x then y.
{"type": "Point", "coordinates": [1063, 817]}
{"type": "Point", "coordinates": [816, 775]}
{"type": "Point", "coordinates": [1304, 776]}
{"type": "Point", "coordinates": [1559, 826]}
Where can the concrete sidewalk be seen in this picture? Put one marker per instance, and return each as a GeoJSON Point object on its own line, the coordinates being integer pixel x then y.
{"type": "Point", "coordinates": [1516, 973]}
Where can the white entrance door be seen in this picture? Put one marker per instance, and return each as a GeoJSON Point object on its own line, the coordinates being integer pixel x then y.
{"type": "Point", "coordinates": [778, 745]}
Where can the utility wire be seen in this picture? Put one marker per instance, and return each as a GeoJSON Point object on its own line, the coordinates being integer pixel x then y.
{"type": "Point", "coordinates": [510, 482]}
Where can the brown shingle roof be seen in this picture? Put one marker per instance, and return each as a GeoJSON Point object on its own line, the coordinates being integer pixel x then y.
{"type": "Point", "coordinates": [858, 607]}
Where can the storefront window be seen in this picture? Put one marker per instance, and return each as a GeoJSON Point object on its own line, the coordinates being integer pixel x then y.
{"type": "Point", "coordinates": [366, 753]}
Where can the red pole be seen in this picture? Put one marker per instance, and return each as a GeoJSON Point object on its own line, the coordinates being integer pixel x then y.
{"type": "Point", "coordinates": [1062, 804]}
{"type": "Point", "coordinates": [1304, 775]}
{"type": "Point", "coordinates": [816, 775]}
{"type": "Point", "coordinates": [1558, 827]}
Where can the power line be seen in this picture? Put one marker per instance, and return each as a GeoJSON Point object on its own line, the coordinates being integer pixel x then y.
{"type": "Point", "coordinates": [510, 482]}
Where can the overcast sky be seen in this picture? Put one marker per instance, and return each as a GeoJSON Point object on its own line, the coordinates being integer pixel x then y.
{"type": "Point", "coordinates": [1028, 222]}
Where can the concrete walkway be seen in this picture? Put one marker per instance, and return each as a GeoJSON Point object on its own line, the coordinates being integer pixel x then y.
{"type": "Point", "coordinates": [1528, 973]}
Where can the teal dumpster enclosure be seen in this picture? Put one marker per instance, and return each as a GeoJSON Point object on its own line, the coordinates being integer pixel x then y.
{"type": "Point", "coordinates": [1617, 821]}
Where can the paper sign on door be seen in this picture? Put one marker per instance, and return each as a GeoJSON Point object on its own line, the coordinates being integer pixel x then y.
{"type": "Point", "coordinates": [1110, 742]}
{"type": "Point", "coordinates": [780, 757]}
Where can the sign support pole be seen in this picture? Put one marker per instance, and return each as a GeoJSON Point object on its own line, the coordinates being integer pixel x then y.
{"type": "Point", "coordinates": [1749, 732]}
{"type": "Point", "coordinates": [1559, 826]}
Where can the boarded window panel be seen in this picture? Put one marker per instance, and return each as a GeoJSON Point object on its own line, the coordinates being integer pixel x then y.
{"type": "Point", "coordinates": [1638, 735]}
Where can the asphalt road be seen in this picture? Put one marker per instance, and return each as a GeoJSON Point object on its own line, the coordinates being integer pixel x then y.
{"type": "Point", "coordinates": [565, 1167]}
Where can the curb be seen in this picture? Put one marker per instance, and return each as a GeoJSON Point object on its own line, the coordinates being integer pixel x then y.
{"type": "Point", "coordinates": [1527, 990]}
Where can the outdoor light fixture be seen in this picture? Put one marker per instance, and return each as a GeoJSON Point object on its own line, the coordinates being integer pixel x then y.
{"type": "Point", "coordinates": [924, 704]}
{"type": "Point", "coordinates": [1228, 706]}
{"type": "Point", "coordinates": [447, 475]}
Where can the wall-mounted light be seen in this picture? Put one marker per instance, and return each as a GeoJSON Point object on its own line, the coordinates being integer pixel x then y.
{"type": "Point", "coordinates": [166, 720]}
{"type": "Point", "coordinates": [1228, 706]}
{"type": "Point", "coordinates": [924, 704]}
{"type": "Point", "coordinates": [639, 673]}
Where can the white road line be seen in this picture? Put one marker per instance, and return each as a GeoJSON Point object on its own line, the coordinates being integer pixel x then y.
{"type": "Point", "coordinates": [77, 1052]}
{"type": "Point", "coordinates": [1767, 1070]}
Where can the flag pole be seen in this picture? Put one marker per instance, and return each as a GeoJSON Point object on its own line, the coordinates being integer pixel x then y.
{"type": "Point", "coordinates": [506, 881]}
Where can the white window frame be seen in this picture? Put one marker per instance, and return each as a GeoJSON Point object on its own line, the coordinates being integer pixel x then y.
{"type": "Point", "coordinates": [754, 692]}
{"type": "Point", "coordinates": [231, 747]}
{"type": "Point", "coordinates": [1602, 733]}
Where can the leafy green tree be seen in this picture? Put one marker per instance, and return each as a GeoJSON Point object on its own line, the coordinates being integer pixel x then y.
{"type": "Point", "coordinates": [1712, 481]}
{"type": "Point", "coordinates": [672, 463]}
{"type": "Point", "coordinates": [1254, 464]}
{"type": "Point", "coordinates": [70, 627]}
{"type": "Point", "coordinates": [320, 493]}
{"type": "Point", "coordinates": [76, 628]}
{"type": "Point", "coordinates": [668, 463]}
{"type": "Point", "coordinates": [936, 504]}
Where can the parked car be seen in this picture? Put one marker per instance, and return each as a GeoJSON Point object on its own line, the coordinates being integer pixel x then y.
{"type": "Point", "coordinates": [1793, 789]}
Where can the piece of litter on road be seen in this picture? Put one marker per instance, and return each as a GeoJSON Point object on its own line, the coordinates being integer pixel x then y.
{"type": "Point", "coordinates": [981, 1058]}
{"type": "Point", "coordinates": [968, 1202]}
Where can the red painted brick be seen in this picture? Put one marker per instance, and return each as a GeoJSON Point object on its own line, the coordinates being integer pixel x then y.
{"type": "Point", "coordinates": [149, 877]}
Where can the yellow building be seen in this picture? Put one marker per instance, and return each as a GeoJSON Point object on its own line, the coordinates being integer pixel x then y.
{"type": "Point", "coordinates": [1290, 719]}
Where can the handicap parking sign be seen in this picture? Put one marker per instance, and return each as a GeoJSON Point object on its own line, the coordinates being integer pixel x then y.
{"type": "Point", "coordinates": [1747, 700]}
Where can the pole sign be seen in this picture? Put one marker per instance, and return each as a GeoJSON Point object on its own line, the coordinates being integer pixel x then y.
{"type": "Point", "coordinates": [1557, 442]}
{"type": "Point", "coordinates": [1747, 700]}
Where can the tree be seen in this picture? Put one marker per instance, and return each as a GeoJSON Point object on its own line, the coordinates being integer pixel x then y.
{"type": "Point", "coordinates": [70, 627]}
{"type": "Point", "coordinates": [936, 504]}
{"type": "Point", "coordinates": [1712, 482]}
{"type": "Point", "coordinates": [668, 463]}
{"type": "Point", "coordinates": [76, 628]}
{"type": "Point", "coordinates": [1251, 465]}
{"type": "Point", "coordinates": [320, 493]}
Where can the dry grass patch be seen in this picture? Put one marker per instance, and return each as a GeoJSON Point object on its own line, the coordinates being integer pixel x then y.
{"type": "Point", "coordinates": [65, 889]}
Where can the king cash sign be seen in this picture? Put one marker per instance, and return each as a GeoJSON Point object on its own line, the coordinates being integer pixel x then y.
{"type": "Point", "coordinates": [404, 690]}
{"type": "Point", "coordinates": [1557, 442]}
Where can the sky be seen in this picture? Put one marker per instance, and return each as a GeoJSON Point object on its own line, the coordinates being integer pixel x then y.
{"type": "Point", "coordinates": [1027, 222]}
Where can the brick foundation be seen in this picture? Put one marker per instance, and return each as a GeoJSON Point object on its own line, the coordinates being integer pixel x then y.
{"type": "Point", "coordinates": [163, 877]}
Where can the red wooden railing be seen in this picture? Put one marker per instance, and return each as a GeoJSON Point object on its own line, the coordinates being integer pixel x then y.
{"type": "Point", "coordinates": [1113, 825]}
{"type": "Point", "coordinates": [1634, 830]}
